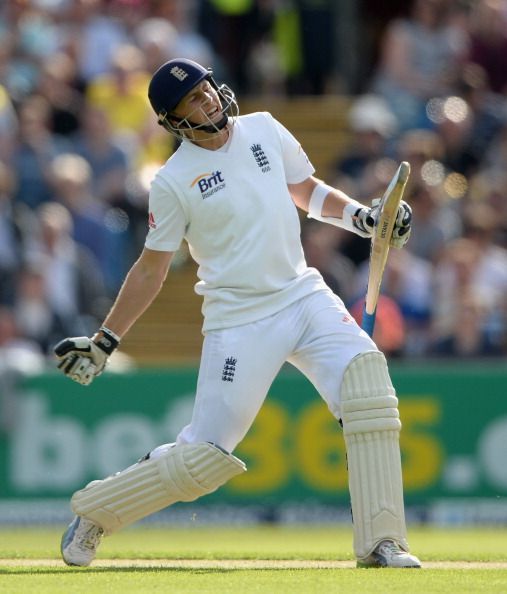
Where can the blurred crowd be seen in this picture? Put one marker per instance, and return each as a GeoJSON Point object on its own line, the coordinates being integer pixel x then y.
{"type": "Point", "coordinates": [437, 99]}
{"type": "Point", "coordinates": [79, 146]}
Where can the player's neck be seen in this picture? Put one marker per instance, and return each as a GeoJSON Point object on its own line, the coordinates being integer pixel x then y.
{"type": "Point", "coordinates": [212, 142]}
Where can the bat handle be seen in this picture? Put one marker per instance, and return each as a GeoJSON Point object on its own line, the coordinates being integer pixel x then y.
{"type": "Point", "coordinates": [368, 321]}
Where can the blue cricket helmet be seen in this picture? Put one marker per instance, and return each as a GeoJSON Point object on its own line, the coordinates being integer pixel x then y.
{"type": "Point", "coordinates": [172, 81]}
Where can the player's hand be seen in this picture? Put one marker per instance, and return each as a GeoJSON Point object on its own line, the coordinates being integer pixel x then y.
{"type": "Point", "coordinates": [402, 226]}
{"type": "Point", "coordinates": [82, 358]}
{"type": "Point", "coordinates": [366, 218]}
{"type": "Point", "coordinates": [364, 221]}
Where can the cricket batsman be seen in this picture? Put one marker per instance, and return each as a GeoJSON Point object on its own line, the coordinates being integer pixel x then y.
{"type": "Point", "coordinates": [231, 191]}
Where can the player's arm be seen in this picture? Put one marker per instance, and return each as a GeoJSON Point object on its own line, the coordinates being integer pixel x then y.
{"type": "Point", "coordinates": [142, 284]}
{"type": "Point", "coordinates": [82, 358]}
{"type": "Point", "coordinates": [330, 205]}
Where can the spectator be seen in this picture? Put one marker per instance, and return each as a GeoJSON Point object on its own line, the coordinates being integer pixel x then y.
{"type": "Point", "coordinates": [92, 35]}
{"type": "Point", "coordinates": [108, 162]}
{"type": "Point", "coordinates": [33, 152]}
{"type": "Point", "coordinates": [372, 125]}
{"type": "Point", "coordinates": [321, 246]}
{"type": "Point", "coordinates": [92, 228]}
{"type": "Point", "coordinates": [420, 147]}
{"type": "Point", "coordinates": [316, 19]}
{"type": "Point", "coordinates": [483, 227]}
{"type": "Point", "coordinates": [435, 223]}
{"type": "Point", "coordinates": [17, 353]}
{"type": "Point", "coordinates": [420, 58]}
{"type": "Point", "coordinates": [483, 114]}
{"type": "Point", "coordinates": [407, 280]}
{"type": "Point", "coordinates": [28, 36]}
{"type": "Point", "coordinates": [191, 42]}
{"type": "Point", "coordinates": [128, 13]}
{"type": "Point", "coordinates": [490, 187]}
{"type": "Point", "coordinates": [35, 318]}
{"type": "Point", "coordinates": [467, 336]}
{"type": "Point", "coordinates": [157, 38]}
{"type": "Point", "coordinates": [233, 29]}
{"type": "Point", "coordinates": [121, 92]}
{"type": "Point", "coordinates": [111, 182]}
{"type": "Point", "coordinates": [488, 41]}
{"type": "Point", "coordinates": [472, 266]}
{"type": "Point", "coordinates": [454, 275]}
{"type": "Point", "coordinates": [454, 124]}
{"type": "Point", "coordinates": [493, 162]}
{"type": "Point", "coordinates": [59, 86]}
{"type": "Point", "coordinates": [390, 333]}
{"type": "Point", "coordinates": [17, 224]}
{"type": "Point", "coordinates": [73, 286]}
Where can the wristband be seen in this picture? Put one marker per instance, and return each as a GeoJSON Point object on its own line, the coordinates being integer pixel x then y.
{"type": "Point", "coordinates": [349, 216]}
{"type": "Point", "coordinates": [106, 340]}
{"type": "Point", "coordinates": [317, 200]}
{"type": "Point", "coordinates": [110, 333]}
{"type": "Point", "coordinates": [350, 211]}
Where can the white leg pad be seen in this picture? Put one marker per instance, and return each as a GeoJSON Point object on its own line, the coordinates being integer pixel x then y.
{"type": "Point", "coordinates": [371, 428]}
{"type": "Point", "coordinates": [183, 473]}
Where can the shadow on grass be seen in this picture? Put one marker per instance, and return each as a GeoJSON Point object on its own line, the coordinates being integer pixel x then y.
{"type": "Point", "coordinates": [105, 570]}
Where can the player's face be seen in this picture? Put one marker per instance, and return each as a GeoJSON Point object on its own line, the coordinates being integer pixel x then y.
{"type": "Point", "coordinates": [200, 105]}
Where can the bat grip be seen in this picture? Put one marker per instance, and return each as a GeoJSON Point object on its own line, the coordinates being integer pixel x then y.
{"type": "Point", "coordinates": [368, 321]}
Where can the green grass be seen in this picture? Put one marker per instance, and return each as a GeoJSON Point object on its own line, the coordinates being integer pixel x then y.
{"type": "Point", "coordinates": [250, 543]}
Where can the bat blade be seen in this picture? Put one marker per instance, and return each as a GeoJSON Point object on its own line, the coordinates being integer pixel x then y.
{"type": "Point", "coordinates": [388, 209]}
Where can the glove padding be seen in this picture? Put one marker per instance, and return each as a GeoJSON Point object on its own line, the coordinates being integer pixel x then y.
{"type": "Point", "coordinates": [402, 226]}
{"type": "Point", "coordinates": [365, 219]}
{"type": "Point", "coordinates": [82, 358]}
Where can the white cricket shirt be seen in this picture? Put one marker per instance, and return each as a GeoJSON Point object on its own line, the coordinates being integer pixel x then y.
{"type": "Point", "coordinates": [234, 209]}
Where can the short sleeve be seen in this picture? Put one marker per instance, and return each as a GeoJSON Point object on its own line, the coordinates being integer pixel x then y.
{"type": "Point", "coordinates": [166, 221]}
{"type": "Point", "coordinates": [296, 163]}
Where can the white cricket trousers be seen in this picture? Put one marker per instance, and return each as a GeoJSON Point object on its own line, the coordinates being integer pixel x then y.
{"type": "Point", "coordinates": [316, 334]}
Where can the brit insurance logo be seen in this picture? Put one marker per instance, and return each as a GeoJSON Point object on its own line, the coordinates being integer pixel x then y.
{"type": "Point", "coordinates": [260, 158]}
{"type": "Point", "coordinates": [209, 183]}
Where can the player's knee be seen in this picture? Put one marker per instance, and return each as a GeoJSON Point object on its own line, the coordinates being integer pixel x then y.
{"type": "Point", "coordinates": [368, 398]}
{"type": "Point", "coordinates": [199, 469]}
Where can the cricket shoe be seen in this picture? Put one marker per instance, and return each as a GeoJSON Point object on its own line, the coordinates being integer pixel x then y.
{"type": "Point", "coordinates": [80, 541]}
{"type": "Point", "coordinates": [388, 554]}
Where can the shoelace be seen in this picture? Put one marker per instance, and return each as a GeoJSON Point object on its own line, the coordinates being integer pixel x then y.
{"type": "Point", "coordinates": [90, 539]}
{"type": "Point", "coordinates": [389, 547]}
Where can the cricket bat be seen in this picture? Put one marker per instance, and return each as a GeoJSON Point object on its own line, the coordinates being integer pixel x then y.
{"type": "Point", "coordinates": [388, 209]}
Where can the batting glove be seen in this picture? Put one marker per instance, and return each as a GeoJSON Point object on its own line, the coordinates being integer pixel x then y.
{"type": "Point", "coordinates": [364, 221]}
{"type": "Point", "coordinates": [366, 218]}
{"type": "Point", "coordinates": [82, 358]}
{"type": "Point", "coordinates": [402, 226]}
